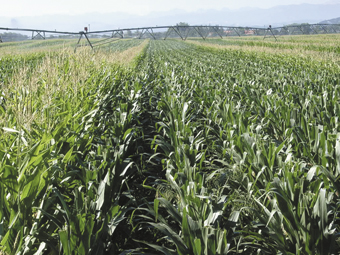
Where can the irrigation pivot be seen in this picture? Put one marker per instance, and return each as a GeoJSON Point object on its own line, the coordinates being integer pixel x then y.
{"type": "Point", "coordinates": [183, 32]}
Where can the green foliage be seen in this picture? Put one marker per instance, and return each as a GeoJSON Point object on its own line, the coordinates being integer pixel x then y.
{"type": "Point", "coordinates": [190, 150]}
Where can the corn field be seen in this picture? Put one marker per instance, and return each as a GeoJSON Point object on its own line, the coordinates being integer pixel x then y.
{"type": "Point", "coordinates": [169, 147]}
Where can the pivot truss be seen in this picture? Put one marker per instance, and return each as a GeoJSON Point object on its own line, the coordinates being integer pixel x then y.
{"type": "Point", "coordinates": [38, 35]}
{"type": "Point", "coordinates": [96, 39]}
{"type": "Point", "coordinates": [185, 32]}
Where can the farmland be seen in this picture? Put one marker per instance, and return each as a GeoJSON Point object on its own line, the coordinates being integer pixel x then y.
{"type": "Point", "coordinates": [169, 147]}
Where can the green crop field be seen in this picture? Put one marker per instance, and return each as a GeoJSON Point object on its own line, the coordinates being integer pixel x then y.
{"type": "Point", "coordinates": [169, 147]}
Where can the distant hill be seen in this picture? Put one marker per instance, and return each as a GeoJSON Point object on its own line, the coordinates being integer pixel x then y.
{"type": "Point", "coordinates": [275, 16]}
{"type": "Point", "coordinates": [331, 21]}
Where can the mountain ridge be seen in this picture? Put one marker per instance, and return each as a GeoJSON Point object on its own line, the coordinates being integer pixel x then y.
{"type": "Point", "coordinates": [275, 16]}
{"type": "Point", "coordinates": [331, 21]}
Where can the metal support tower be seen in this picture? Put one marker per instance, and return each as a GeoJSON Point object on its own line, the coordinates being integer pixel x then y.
{"type": "Point", "coordinates": [201, 33]}
{"type": "Point", "coordinates": [237, 32]}
{"type": "Point", "coordinates": [176, 30]}
{"type": "Point", "coordinates": [150, 31]}
{"type": "Point", "coordinates": [38, 34]}
{"type": "Point", "coordinates": [270, 31]}
{"type": "Point", "coordinates": [218, 32]}
{"type": "Point", "coordinates": [81, 36]}
{"type": "Point", "coordinates": [119, 33]}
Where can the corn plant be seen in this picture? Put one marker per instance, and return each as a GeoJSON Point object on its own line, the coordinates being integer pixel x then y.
{"type": "Point", "coordinates": [170, 147]}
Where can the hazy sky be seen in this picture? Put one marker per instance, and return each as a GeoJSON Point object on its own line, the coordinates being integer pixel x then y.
{"type": "Point", "coordinates": [17, 8]}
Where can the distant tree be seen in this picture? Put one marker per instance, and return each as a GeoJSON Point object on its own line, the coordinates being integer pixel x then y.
{"type": "Point", "coordinates": [306, 28]}
{"type": "Point", "coordinates": [183, 27]}
{"type": "Point", "coordinates": [182, 24]}
{"type": "Point", "coordinates": [10, 37]}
